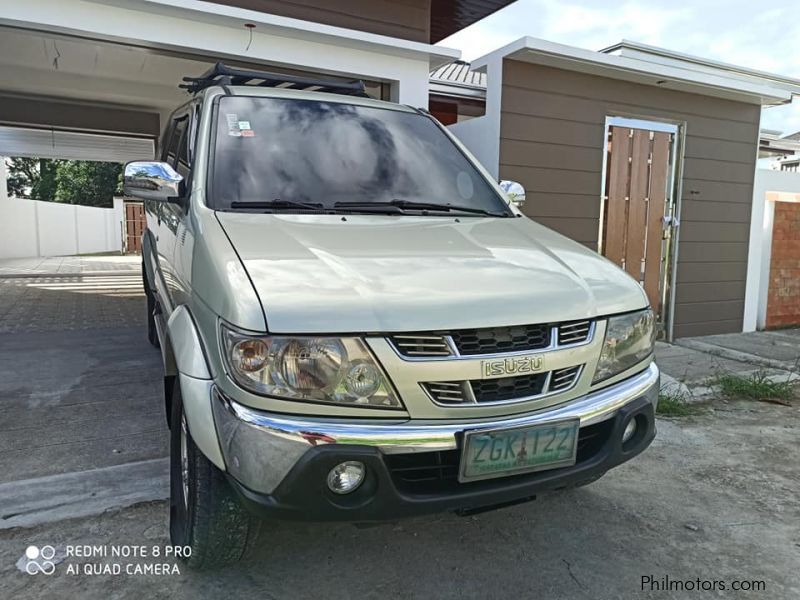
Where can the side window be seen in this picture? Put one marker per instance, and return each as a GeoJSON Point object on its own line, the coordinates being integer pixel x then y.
{"type": "Point", "coordinates": [176, 145]}
{"type": "Point", "coordinates": [165, 141]}
{"type": "Point", "coordinates": [183, 164]}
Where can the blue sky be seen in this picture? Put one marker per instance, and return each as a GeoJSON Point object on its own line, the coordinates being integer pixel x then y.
{"type": "Point", "coordinates": [760, 35]}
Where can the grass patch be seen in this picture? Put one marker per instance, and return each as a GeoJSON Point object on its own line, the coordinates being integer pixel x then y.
{"type": "Point", "coordinates": [756, 386]}
{"type": "Point", "coordinates": [674, 404]}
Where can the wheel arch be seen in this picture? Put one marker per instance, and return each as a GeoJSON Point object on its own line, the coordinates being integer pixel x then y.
{"type": "Point", "coordinates": [185, 365]}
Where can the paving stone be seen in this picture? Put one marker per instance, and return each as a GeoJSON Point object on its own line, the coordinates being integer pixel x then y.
{"type": "Point", "coordinates": [80, 386]}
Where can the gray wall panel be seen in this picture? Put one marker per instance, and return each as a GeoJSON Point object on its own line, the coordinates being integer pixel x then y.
{"type": "Point", "coordinates": [552, 125]}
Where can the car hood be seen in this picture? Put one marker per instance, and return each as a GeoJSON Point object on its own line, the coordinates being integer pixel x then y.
{"type": "Point", "coordinates": [377, 273]}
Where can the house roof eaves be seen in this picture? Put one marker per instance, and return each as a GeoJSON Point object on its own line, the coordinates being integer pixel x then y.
{"type": "Point", "coordinates": [455, 90]}
{"type": "Point", "coordinates": [528, 49]}
{"type": "Point", "coordinates": [790, 83]}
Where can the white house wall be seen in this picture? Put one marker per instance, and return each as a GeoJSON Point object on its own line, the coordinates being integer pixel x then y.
{"type": "Point", "coordinates": [481, 135]}
{"type": "Point", "coordinates": [19, 233]}
{"type": "Point", "coordinates": [32, 228]}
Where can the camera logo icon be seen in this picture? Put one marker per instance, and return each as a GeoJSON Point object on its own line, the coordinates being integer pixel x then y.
{"type": "Point", "coordinates": [40, 560]}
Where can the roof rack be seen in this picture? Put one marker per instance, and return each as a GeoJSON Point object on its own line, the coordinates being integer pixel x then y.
{"type": "Point", "coordinates": [222, 74]}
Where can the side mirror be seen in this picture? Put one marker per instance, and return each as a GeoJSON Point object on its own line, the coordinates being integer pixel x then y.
{"type": "Point", "coordinates": [514, 191]}
{"type": "Point", "coordinates": [152, 180]}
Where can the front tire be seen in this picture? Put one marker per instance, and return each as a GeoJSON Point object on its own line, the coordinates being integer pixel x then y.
{"type": "Point", "coordinates": [204, 512]}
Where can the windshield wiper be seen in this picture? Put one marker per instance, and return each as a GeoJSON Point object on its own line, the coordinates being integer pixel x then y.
{"type": "Point", "coordinates": [412, 205]}
{"type": "Point", "coordinates": [278, 204]}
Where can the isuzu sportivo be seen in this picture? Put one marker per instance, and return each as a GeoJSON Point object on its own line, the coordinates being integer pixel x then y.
{"type": "Point", "coordinates": [357, 324]}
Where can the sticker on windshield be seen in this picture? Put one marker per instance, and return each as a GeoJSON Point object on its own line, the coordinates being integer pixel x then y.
{"type": "Point", "coordinates": [233, 125]}
{"type": "Point", "coordinates": [238, 128]}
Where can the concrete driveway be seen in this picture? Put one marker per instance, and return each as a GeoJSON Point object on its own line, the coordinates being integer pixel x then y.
{"type": "Point", "coordinates": [80, 386]}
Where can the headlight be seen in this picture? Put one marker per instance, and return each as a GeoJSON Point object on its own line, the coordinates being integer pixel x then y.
{"type": "Point", "coordinates": [315, 369]}
{"type": "Point", "coordinates": [629, 340]}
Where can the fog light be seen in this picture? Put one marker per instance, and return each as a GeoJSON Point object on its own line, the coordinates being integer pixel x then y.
{"type": "Point", "coordinates": [630, 429]}
{"type": "Point", "coordinates": [346, 477]}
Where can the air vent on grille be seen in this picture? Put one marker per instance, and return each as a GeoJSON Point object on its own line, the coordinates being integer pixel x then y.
{"type": "Point", "coordinates": [490, 340]}
{"type": "Point", "coordinates": [419, 345]}
{"type": "Point", "coordinates": [563, 379]}
{"type": "Point", "coordinates": [446, 392]}
{"type": "Point", "coordinates": [496, 340]}
{"type": "Point", "coordinates": [486, 390]}
{"type": "Point", "coordinates": [508, 388]}
{"type": "Point", "coordinates": [573, 333]}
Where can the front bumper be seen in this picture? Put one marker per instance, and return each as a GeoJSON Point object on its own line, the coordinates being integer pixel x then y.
{"type": "Point", "coordinates": [279, 464]}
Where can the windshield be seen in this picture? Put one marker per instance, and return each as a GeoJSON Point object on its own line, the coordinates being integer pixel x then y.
{"type": "Point", "coordinates": [323, 153]}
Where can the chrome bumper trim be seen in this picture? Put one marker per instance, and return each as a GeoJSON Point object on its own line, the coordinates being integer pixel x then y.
{"type": "Point", "coordinates": [261, 448]}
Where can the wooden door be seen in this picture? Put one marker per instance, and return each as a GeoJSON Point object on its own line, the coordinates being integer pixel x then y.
{"type": "Point", "coordinates": [638, 165]}
{"type": "Point", "coordinates": [135, 224]}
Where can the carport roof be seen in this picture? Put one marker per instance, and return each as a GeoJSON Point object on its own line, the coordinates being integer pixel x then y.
{"type": "Point", "coordinates": [653, 66]}
{"type": "Point", "coordinates": [133, 52]}
{"type": "Point", "coordinates": [450, 16]}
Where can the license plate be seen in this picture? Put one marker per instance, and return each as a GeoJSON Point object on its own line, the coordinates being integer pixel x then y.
{"type": "Point", "coordinates": [500, 452]}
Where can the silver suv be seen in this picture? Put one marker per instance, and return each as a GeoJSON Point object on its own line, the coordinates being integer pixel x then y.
{"type": "Point", "coordinates": [356, 324]}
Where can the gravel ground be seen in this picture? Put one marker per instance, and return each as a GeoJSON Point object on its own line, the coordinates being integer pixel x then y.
{"type": "Point", "coordinates": [717, 497]}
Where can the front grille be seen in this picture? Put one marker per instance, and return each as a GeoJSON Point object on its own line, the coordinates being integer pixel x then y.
{"type": "Point", "coordinates": [502, 388]}
{"type": "Point", "coordinates": [446, 392]}
{"type": "Point", "coordinates": [421, 344]}
{"type": "Point", "coordinates": [508, 388]}
{"type": "Point", "coordinates": [574, 333]}
{"type": "Point", "coordinates": [497, 340]}
{"type": "Point", "coordinates": [437, 472]}
{"type": "Point", "coordinates": [490, 340]}
{"type": "Point", "coordinates": [563, 379]}
{"type": "Point", "coordinates": [425, 471]}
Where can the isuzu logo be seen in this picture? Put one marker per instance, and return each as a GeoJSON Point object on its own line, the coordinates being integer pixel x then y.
{"type": "Point", "coordinates": [518, 365]}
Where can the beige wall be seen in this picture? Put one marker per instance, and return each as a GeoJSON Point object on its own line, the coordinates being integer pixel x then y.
{"type": "Point", "coordinates": [551, 130]}
{"type": "Point", "coordinates": [406, 19]}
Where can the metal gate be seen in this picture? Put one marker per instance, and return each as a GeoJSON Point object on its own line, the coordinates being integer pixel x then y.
{"type": "Point", "coordinates": [637, 208]}
{"type": "Point", "coordinates": [135, 224]}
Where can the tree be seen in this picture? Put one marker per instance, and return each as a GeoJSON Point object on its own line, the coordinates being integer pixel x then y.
{"type": "Point", "coordinates": [70, 181]}
{"type": "Point", "coordinates": [32, 177]}
{"type": "Point", "coordinates": [88, 182]}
